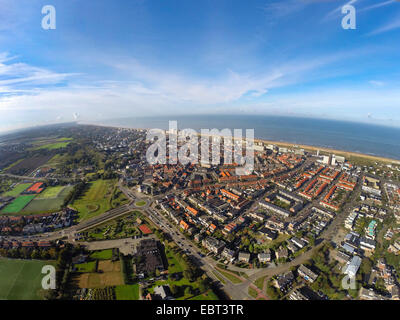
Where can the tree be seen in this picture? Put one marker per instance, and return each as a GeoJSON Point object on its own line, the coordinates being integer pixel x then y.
{"type": "Point", "coordinates": [251, 248]}
{"type": "Point", "coordinates": [188, 291]}
{"type": "Point", "coordinates": [204, 285]}
{"type": "Point", "coordinates": [35, 254]}
{"type": "Point", "coordinates": [272, 292]}
{"type": "Point", "coordinates": [174, 289]}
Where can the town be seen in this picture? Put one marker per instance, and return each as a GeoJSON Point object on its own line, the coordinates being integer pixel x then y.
{"type": "Point", "coordinates": [117, 227]}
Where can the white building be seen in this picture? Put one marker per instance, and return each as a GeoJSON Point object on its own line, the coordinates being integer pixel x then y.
{"type": "Point", "coordinates": [352, 267]}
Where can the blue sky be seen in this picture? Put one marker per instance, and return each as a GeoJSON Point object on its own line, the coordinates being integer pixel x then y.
{"type": "Point", "coordinates": [117, 58]}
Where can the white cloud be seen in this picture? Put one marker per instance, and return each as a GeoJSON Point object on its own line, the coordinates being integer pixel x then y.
{"type": "Point", "coordinates": [377, 83]}
{"type": "Point", "coordinates": [16, 73]}
{"type": "Point", "coordinates": [377, 5]}
{"type": "Point", "coordinates": [392, 25]}
{"type": "Point", "coordinates": [147, 91]}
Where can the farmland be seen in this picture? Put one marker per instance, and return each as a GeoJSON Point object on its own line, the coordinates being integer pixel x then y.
{"type": "Point", "coordinates": [51, 144]}
{"type": "Point", "coordinates": [17, 190]}
{"type": "Point", "coordinates": [57, 160]}
{"type": "Point", "coordinates": [27, 165]}
{"type": "Point", "coordinates": [12, 165]}
{"type": "Point", "coordinates": [21, 279]}
{"type": "Point", "coordinates": [97, 199]}
{"type": "Point", "coordinates": [18, 204]}
{"type": "Point", "coordinates": [108, 274]}
{"type": "Point", "coordinates": [9, 159]}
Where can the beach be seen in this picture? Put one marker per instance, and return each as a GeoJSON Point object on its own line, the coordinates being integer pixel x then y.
{"type": "Point", "coordinates": [345, 153]}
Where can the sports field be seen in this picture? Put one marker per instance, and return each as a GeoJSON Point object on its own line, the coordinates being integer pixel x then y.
{"type": "Point", "coordinates": [18, 204]}
{"type": "Point", "coordinates": [96, 200]}
{"type": "Point", "coordinates": [21, 279]}
{"type": "Point", "coordinates": [17, 190]}
{"type": "Point", "coordinates": [51, 192]}
{"type": "Point", "coordinates": [50, 200]}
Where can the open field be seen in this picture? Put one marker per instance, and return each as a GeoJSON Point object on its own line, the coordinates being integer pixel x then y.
{"type": "Point", "coordinates": [210, 295]}
{"type": "Point", "coordinates": [11, 165]}
{"type": "Point", "coordinates": [86, 266]}
{"type": "Point", "coordinates": [51, 144]}
{"type": "Point", "coordinates": [56, 160]}
{"type": "Point", "coordinates": [51, 192]}
{"type": "Point", "coordinates": [21, 279]}
{"type": "Point", "coordinates": [8, 159]}
{"type": "Point", "coordinates": [16, 191]}
{"type": "Point", "coordinates": [174, 265]}
{"type": "Point", "coordinates": [96, 200]}
{"type": "Point", "coordinates": [43, 206]}
{"type": "Point", "coordinates": [18, 204]}
{"type": "Point", "coordinates": [127, 292]}
{"type": "Point", "coordinates": [102, 255]}
{"type": "Point", "coordinates": [28, 165]}
{"type": "Point", "coordinates": [109, 274]}
{"type": "Point", "coordinates": [43, 203]}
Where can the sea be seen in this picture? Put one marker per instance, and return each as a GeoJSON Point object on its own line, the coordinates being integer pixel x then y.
{"type": "Point", "coordinates": [370, 139]}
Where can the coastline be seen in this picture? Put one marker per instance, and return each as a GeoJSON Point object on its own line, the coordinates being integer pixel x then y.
{"type": "Point", "coordinates": [345, 153]}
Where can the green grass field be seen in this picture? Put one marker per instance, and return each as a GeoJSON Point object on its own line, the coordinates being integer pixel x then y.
{"type": "Point", "coordinates": [17, 190]}
{"type": "Point", "coordinates": [53, 146]}
{"type": "Point", "coordinates": [174, 265]}
{"type": "Point", "coordinates": [140, 203]}
{"type": "Point", "coordinates": [230, 277]}
{"type": "Point", "coordinates": [43, 206]}
{"type": "Point", "coordinates": [21, 279]}
{"type": "Point", "coordinates": [102, 255]}
{"type": "Point", "coordinates": [56, 160]}
{"type": "Point", "coordinates": [210, 295]}
{"type": "Point", "coordinates": [45, 202]}
{"type": "Point", "coordinates": [51, 192]}
{"type": "Point", "coordinates": [127, 292]}
{"type": "Point", "coordinates": [86, 267]}
{"type": "Point", "coordinates": [253, 292]}
{"type": "Point", "coordinates": [96, 200]}
{"type": "Point", "coordinates": [260, 283]}
{"type": "Point", "coordinates": [18, 204]}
